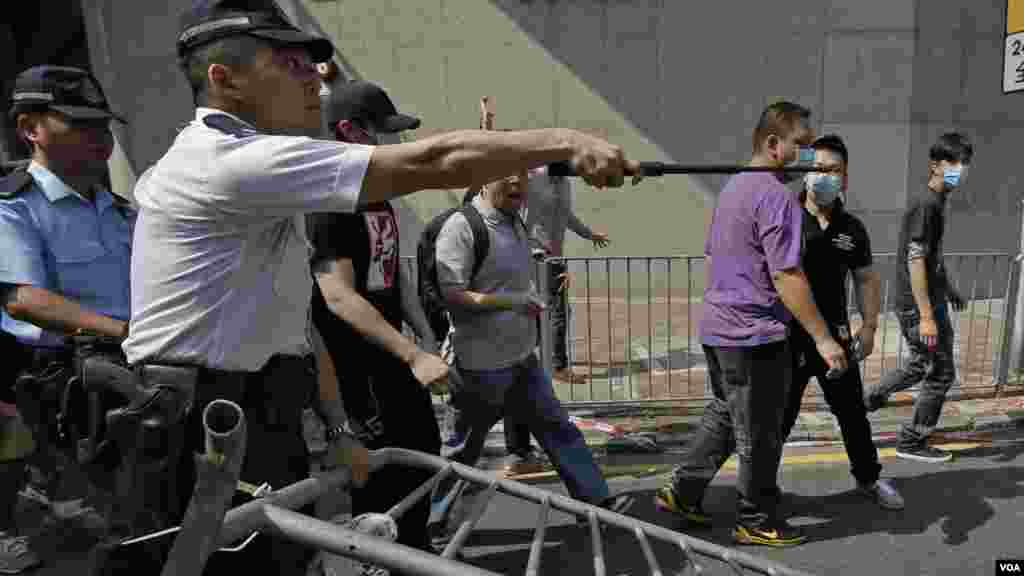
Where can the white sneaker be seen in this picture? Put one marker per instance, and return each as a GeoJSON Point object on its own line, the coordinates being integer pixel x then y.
{"type": "Point", "coordinates": [883, 493]}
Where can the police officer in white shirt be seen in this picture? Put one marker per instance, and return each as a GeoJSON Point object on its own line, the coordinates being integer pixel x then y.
{"type": "Point", "coordinates": [220, 271]}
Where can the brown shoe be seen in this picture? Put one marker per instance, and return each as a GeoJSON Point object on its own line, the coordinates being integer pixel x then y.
{"type": "Point", "coordinates": [530, 463]}
{"type": "Point", "coordinates": [567, 375]}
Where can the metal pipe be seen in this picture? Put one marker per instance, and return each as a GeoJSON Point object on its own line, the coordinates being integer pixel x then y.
{"type": "Point", "coordinates": [537, 546]}
{"type": "Point", "coordinates": [595, 537]}
{"type": "Point", "coordinates": [608, 316]}
{"type": "Point", "coordinates": [629, 325]}
{"type": "Point", "coordinates": [217, 478]}
{"type": "Point", "coordinates": [337, 540]}
{"type": "Point", "coordinates": [652, 561]}
{"type": "Point", "coordinates": [988, 347]}
{"type": "Point", "coordinates": [650, 336]}
{"type": "Point", "coordinates": [966, 361]}
{"type": "Point", "coordinates": [689, 322]}
{"type": "Point", "coordinates": [247, 517]}
{"type": "Point", "coordinates": [590, 337]}
{"type": "Point", "coordinates": [409, 501]}
{"type": "Point", "coordinates": [1009, 315]}
{"type": "Point", "coordinates": [462, 534]}
{"type": "Point", "coordinates": [668, 266]}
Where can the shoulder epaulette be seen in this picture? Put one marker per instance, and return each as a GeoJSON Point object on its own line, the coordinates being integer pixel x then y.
{"type": "Point", "coordinates": [228, 125]}
{"type": "Point", "coordinates": [16, 182]}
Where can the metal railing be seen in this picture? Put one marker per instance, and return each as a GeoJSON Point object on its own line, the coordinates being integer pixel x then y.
{"type": "Point", "coordinates": [274, 513]}
{"type": "Point", "coordinates": [633, 328]}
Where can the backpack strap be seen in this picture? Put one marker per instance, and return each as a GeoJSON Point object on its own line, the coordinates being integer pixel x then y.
{"type": "Point", "coordinates": [481, 236]}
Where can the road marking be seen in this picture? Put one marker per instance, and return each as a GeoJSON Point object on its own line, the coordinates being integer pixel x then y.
{"type": "Point", "coordinates": [840, 456]}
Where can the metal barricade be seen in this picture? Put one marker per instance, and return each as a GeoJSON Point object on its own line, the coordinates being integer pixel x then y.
{"type": "Point", "coordinates": [634, 327]}
{"type": "Point", "coordinates": [273, 513]}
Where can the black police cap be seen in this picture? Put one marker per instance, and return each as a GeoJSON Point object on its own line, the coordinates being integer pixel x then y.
{"type": "Point", "coordinates": [71, 91]}
{"type": "Point", "coordinates": [210, 20]}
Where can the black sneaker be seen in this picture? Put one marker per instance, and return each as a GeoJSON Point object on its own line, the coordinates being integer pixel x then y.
{"type": "Point", "coordinates": [777, 534]}
{"type": "Point", "coordinates": [668, 500]}
{"type": "Point", "coordinates": [924, 453]}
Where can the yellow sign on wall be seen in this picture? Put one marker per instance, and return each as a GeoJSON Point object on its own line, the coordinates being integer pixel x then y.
{"type": "Point", "coordinates": [1014, 16]}
{"type": "Point", "coordinates": [1013, 55]}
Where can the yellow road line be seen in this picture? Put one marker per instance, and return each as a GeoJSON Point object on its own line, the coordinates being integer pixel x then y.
{"type": "Point", "coordinates": [840, 455]}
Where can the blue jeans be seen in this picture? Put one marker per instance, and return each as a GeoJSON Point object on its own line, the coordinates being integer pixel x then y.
{"type": "Point", "coordinates": [523, 390]}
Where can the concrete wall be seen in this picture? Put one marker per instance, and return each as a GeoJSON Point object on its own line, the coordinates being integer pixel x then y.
{"type": "Point", "coordinates": [664, 80]}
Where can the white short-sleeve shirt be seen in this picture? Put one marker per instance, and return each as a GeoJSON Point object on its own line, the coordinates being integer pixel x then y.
{"type": "Point", "coordinates": [220, 268]}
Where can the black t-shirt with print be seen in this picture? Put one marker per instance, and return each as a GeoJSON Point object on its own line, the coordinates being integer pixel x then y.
{"type": "Point", "coordinates": [369, 238]}
{"type": "Point", "coordinates": [829, 255]}
{"type": "Point", "coordinates": [923, 223]}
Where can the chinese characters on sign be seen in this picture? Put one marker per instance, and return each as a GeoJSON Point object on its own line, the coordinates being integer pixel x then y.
{"type": "Point", "coordinates": [1013, 57]}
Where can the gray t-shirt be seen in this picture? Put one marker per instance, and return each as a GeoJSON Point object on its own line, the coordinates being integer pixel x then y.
{"type": "Point", "coordinates": [488, 340]}
{"type": "Point", "coordinates": [549, 211]}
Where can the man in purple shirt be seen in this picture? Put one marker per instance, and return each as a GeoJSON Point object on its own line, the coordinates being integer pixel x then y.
{"type": "Point", "coordinates": [754, 281]}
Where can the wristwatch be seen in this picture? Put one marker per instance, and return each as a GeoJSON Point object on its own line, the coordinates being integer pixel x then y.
{"type": "Point", "coordinates": [336, 432]}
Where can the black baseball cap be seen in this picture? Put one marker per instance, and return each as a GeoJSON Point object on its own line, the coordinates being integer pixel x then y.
{"type": "Point", "coordinates": [367, 101]}
{"type": "Point", "coordinates": [210, 20]}
{"type": "Point", "coordinates": [71, 91]}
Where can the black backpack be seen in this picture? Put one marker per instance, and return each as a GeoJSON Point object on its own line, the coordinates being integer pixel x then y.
{"type": "Point", "coordinates": [426, 263]}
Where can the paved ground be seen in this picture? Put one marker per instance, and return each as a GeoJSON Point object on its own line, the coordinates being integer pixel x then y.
{"type": "Point", "coordinates": [960, 518]}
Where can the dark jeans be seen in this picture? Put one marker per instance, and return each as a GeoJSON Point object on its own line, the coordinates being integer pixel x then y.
{"type": "Point", "coordinates": [935, 371]}
{"type": "Point", "coordinates": [408, 422]}
{"type": "Point", "coordinates": [517, 434]}
{"type": "Point", "coordinates": [751, 385]}
{"type": "Point", "coordinates": [845, 397]}
{"type": "Point", "coordinates": [526, 390]}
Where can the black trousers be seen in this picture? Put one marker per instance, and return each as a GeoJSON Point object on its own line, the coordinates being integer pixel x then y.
{"type": "Point", "coordinates": [751, 385]}
{"type": "Point", "coordinates": [845, 397]}
{"type": "Point", "coordinates": [273, 401]}
{"type": "Point", "coordinates": [407, 414]}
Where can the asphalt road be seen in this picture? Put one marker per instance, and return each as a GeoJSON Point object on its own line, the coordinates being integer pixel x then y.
{"type": "Point", "coordinates": [960, 517]}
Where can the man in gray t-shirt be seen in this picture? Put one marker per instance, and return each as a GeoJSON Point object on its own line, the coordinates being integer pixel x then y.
{"type": "Point", "coordinates": [495, 332]}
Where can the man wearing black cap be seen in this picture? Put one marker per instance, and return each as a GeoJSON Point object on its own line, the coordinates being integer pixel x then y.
{"type": "Point", "coordinates": [220, 278]}
{"type": "Point", "coordinates": [66, 252]}
{"type": "Point", "coordinates": [363, 295]}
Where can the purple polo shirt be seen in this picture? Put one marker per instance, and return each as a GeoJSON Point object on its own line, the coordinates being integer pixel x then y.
{"type": "Point", "coordinates": [756, 230]}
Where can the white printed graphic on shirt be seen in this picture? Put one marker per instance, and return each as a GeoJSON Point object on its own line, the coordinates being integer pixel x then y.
{"type": "Point", "coordinates": [383, 231]}
{"type": "Point", "coordinates": [844, 242]}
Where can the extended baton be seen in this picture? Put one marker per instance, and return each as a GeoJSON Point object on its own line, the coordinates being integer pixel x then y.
{"type": "Point", "coordinates": [664, 168]}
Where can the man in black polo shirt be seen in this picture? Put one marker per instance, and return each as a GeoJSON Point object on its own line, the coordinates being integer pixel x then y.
{"type": "Point", "coordinates": [835, 245]}
{"type": "Point", "coordinates": [358, 307]}
{"type": "Point", "coordinates": [923, 290]}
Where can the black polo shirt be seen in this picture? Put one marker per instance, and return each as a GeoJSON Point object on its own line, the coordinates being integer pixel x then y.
{"type": "Point", "coordinates": [829, 255]}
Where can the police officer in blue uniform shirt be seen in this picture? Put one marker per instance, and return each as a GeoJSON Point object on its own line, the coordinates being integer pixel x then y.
{"type": "Point", "coordinates": [66, 240]}
{"type": "Point", "coordinates": [220, 276]}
